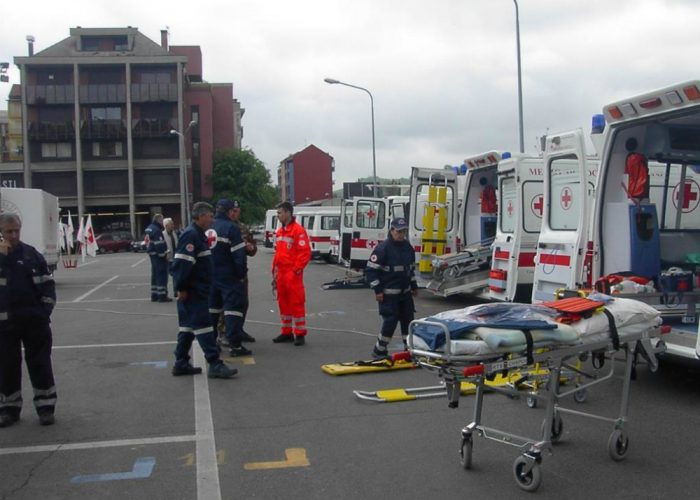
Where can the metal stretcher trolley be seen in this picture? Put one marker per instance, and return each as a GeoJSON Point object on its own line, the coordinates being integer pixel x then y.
{"type": "Point", "coordinates": [601, 345]}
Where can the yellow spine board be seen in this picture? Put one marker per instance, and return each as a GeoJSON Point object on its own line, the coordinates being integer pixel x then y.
{"type": "Point", "coordinates": [441, 220]}
{"type": "Point", "coordinates": [425, 265]}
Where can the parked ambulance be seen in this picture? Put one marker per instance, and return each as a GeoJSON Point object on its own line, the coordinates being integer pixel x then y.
{"type": "Point", "coordinates": [644, 216]}
{"type": "Point", "coordinates": [465, 267]}
{"type": "Point", "coordinates": [321, 224]}
{"type": "Point", "coordinates": [39, 213]}
{"type": "Point", "coordinates": [270, 227]}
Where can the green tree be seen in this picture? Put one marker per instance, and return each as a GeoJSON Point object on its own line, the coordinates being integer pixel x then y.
{"type": "Point", "coordinates": [240, 175]}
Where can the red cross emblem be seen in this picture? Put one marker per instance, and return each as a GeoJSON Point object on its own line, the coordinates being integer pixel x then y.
{"type": "Point", "coordinates": [371, 213]}
{"type": "Point", "coordinates": [566, 198]}
{"type": "Point", "coordinates": [371, 244]}
{"type": "Point", "coordinates": [211, 238]}
{"type": "Point", "coordinates": [510, 208]}
{"type": "Point", "coordinates": [690, 195]}
{"type": "Point", "coordinates": [537, 205]}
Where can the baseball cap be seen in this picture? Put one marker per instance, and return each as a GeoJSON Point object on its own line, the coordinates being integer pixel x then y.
{"type": "Point", "coordinates": [399, 224]}
{"type": "Point", "coordinates": [226, 204]}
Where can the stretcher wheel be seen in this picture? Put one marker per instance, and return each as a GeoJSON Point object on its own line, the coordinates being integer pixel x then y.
{"type": "Point", "coordinates": [528, 481]}
{"type": "Point", "coordinates": [531, 401]}
{"type": "Point", "coordinates": [618, 445]}
{"type": "Point", "coordinates": [465, 452]}
{"type": "Point", "coordinates": [580, 395]}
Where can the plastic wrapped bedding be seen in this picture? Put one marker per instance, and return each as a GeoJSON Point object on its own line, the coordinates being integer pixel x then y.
{"type": "Point", "coordinates": [498, 328]}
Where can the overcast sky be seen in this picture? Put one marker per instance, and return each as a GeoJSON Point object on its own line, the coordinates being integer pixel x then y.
{"type": "Point", "coordinates": [443, 73]}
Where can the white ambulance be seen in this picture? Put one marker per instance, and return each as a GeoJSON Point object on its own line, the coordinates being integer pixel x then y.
{"type": "Point", "coordinates": [465, 268]}
{"type": "Point", "coordinates": [270, 227]}
{"type": "Point", "coordinates": [655, 237]}
{"type": "Point", "coordinates": [321, 224]}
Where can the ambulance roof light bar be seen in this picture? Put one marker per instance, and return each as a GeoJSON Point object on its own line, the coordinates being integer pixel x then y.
{"type": "Point", "coordinates": [681, 95]}
{"type": "Point", "coordinates": [483, 160]}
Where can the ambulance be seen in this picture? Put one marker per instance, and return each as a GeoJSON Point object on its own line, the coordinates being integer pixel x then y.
{"type": "Point", "coordinates": [321, 224]}
{"type": "Point", "coordinates": [465, 264]}
{"type": "Point", "coordinates": [270, 227]}
{"type": "Point", "coordinates": [649, 232]}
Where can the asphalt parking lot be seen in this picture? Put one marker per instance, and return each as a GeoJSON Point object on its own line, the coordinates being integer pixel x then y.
{"type": "Point", "coordinates": [283, 429]}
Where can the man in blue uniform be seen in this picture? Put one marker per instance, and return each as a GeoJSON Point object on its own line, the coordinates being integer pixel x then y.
{"type": "Point", "coordinates": [158, 252]}
{"type": "Point", "coordinates": [27, 298]}
{"type": "Point", "coordinates": [192, 277]}
{"type": "Point", "coordinates": [391, 274]}
{"type": "Point", "coordinates": [228, 252]}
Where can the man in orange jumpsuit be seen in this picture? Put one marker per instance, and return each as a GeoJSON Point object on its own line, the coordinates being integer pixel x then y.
{"type": "Point", "coordinates": [292, 254]}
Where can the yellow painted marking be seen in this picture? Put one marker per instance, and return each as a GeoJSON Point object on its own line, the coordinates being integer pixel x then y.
{"type": "Point", "coordinates": [190, 460]}
{"type": "Point", "coordinates": [296, 457]}
{"type": "Point", "coordinates": [245, 360]}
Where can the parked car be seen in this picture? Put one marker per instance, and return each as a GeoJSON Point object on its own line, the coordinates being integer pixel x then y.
{"type": "Point", "coordinates": [116, 241]}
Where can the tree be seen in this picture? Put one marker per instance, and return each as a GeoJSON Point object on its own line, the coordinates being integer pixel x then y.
{"type": "Point", "coordinates": [239, 175]}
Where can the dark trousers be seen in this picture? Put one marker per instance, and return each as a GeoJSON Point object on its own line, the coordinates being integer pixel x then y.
{"type": "Point", "coordinates": [159, 277]}
{"type": "Point", "coordinates": [194, 322]}
{"type": "Point", "coordinates": [230, 300]}
{"type": "Point", "coordinates": [394, 310]}
{"type": "Point", "coordinates": [35, 335]}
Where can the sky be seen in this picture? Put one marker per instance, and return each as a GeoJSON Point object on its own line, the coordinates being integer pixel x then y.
{"type": "Point", "coordinates": [442, 74]}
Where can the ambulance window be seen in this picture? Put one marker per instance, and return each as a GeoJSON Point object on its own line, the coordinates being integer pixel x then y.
{"type": "Point", "coordinates": [330, 222]}
{"type": "Point", "coordinates": [347, 219]}
{"type": "Point", "coordinates": [565, 194]}
{"type": "Point", "coordinates": [508, 205]}
{"type": "Point", "coordinates": [371, 214]}
{"type": "Point", "coordinates": [310, 222]}
{"type": "Point", "coordinates": [397, 210]}
{"type": "Point", "coordinates": [422, 197]}
{"type": "Point", "coordinates": [533, 206]}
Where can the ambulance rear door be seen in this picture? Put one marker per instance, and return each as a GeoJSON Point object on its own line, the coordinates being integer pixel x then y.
{"type": "Point", "coordinates": [432, 215]}
{"type": "Point", "coordinates": [564, 235]}
{"type": "Point", "coordinates": [370, 226]}
{"type": "Point", "coordinates": [504, 267]}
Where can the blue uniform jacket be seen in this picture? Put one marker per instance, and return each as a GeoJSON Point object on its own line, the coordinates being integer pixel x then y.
{"type": "Point", "coordinates": [156, 241]}
{"type": "Point", "coordinates": [228, 254]}
{"type": "Point", "coordinates": [192, 265]}
{"type": "Point", "coordinates": [27, 287]}
{"type": "Point", "coordinates": [391, 268]}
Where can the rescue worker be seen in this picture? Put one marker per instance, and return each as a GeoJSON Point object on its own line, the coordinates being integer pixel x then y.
{"type": "Point", "coordinates": [230, 269]}
{"type": "Point", "coordinates": [27, 298]}
{"type": "Point", "coordinates": [292, 254]}
{"type": "Point", "coordinates": [171, 239]}
{"type": "Point", "coordinates": [157, 251]}
{"type": "Point", "coordinates": [391, 274]}
{"type": "Point", "coordinates": [192, 276]}
{"type": "Point", "coordinates": [251, 248]}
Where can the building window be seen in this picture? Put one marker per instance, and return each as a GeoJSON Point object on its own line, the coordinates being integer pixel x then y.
{"type": "Point", "coordinates": [57, 150]}
{"type": "Point", "coordinates": [106, 149]}
{"type": "Point", "coordinates": [155, 77]}
{"type": "Point", "coordinates": [105, 114]}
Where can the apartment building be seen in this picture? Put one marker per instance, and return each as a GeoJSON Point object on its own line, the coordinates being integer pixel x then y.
{"type": "Point", "coordinates": [306, 175]}
{"type": "Point", "coordinates": [121, 127]}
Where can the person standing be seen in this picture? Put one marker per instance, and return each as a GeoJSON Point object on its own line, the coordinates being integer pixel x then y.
{"type": "Point", "coordinates": [157, 251]}
{"type": "Point", "coordinates": [192, 278]}
{"type": "Point", "coordinates": [251, 248]}
{"type": "Point", "coordinates": [27, 298]}
{"type": "Point", "coordinates": [292, 254]}
{"type": "Point", "coordinates": [230, 269]}
{"type": "Point", "coordinates": [391, 274]}
{"type": "Point", "coordinates": [171, 239]}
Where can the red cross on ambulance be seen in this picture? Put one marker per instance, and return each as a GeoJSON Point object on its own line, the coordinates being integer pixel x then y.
{"type": "Point", "coordinates": [566, 198]}
{"type": "Point", "coordinates": [537, 205]}
{"type": "Point", "coordinates": [510, 208]}
{"type": "Point", "coordinates": [690, 195]}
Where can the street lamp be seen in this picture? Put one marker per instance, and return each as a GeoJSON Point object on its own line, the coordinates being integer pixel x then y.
{"type": "Point", "coordinates": [520, 81]}
{"type": "Point", "coordinates": [333, 81]}
{"type": "Point", "coordinates": [184, 198]}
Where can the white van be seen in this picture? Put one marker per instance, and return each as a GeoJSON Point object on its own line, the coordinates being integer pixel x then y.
{"type": "Point", "coordinates": [321, 224]}
{"type": "Point", "coordinates": [270, 227]}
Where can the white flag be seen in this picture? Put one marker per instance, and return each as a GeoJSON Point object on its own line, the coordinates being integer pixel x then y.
{"type": "Point", "coordinates": [90, 240]}
{"type": "Point", "coordinates": [81, 239]}
{"type": "Point", "coordinates": [70, 231]}
{"type": "Point", "coordinates": [62, 235]}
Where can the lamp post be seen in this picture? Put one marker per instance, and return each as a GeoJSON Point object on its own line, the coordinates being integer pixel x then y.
{"type": "Point", "coordinates": [333, 81]}
{"type": "Point", "coordinates": [184, 198]}
{"type": "Point", "coordinates": [520, 81]}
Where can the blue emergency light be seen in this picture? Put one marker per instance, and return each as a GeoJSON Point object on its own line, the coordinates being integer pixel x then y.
{"type": "Point", "coordinates": [597, 124]}
{"type": "Point", "coordinates": [505, 155]}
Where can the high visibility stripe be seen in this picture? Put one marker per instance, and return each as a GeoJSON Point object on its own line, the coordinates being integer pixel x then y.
{"type": "Point", "coordinates": [233, 313]}
{"type": "Point", "coordinates": [222, 239]}
{"type": "Point", "coordinates": [184, 257]}
{"type": "Point", "coordinates": [44, 278]}
{"type": "Point", "coordinates": [185, 329]}
{"type": "Point", "coordinates": [202, 331]}
{"type": "Point", "coordinates": [374, 283]}
{"type": "Point", "coordinates": [286, 239]}
{"type": "Point", "coordinates": [396, 291]}
{"type": "Point", "coordinates": [40, 403]}
{"type": "Point", "coordinates": [51, 391]}
{"type": "Point", "coordinates": [3, 281]}
{"type": "Point", "coordinates": [3, 316]}
{"type": "Point", "coordinates": [215, 311]}
{"type": "Point", "coordinates": [237, 247]}
{"type": "Point", "coordinates": [48, 300]}
{"type": "Point", "coordinates": [373, 265]}
{"type": "Point", "coordinates": [11, 404]}
{"type": "Point", "coordinates": [285, 316]}
{"type": "Point", "coordinates": [204, 253]}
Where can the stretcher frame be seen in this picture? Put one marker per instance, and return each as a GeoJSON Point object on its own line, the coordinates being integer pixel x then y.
{"type": "Point", "coordinates": [478, 369]}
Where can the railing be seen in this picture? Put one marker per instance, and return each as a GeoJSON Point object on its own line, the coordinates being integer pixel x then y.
{"type": "Point", "coordinates": [103, 129]}
{"type": "Point", "coordinates": [153, 127]}
{"type": "Point", "coordinates": [39, 131]}
{"type": "Point", "coordinates": [50, 94]}
{"type": "Point", "coordinates": [103, 93]}
{"type": "Point", "coordinates": [153, 92]}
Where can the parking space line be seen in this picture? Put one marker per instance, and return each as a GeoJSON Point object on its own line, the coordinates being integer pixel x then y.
{"type": "Point", "coordinates": [207, 465]}
{"type": "Point", "coordinates": [139, 262]}
{"type": "Point", "coordinates": [95, 289]}
{"type": "Point", "coordinates": [126, 344]}
{"type": "Point", "coordinates": [97, 445]}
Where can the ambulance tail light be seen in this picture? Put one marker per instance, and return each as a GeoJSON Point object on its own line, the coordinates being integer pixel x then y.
{"type": "Point", "coordinates": [650, 103]}
{"type": "Point", "coordinates": [615, 112]}
{"type": "Point", "coordinates": [691, 92]}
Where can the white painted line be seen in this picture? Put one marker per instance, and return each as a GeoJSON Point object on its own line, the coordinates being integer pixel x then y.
{"type": "Point", "coordinates": [139, 262]}
{"type": "Point", "coordinates": [129, 344]}
{"type": "Point", "coordinates": [208, 487]}
{"type": "Point", "coordinates": [83, 264]}
{"type": "Point", "coordinates": [96, 445]}
{"type": "Point", "coordinates": [95, 289]}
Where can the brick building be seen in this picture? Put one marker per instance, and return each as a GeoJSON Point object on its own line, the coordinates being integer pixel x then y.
{"type": "Point", "coordinates": [306, 176]}
{"type": "Point", "coordinates": [111, 121]}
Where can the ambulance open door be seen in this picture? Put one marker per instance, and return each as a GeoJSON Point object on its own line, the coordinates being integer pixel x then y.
{"type": "Point", "coordinates": [503, 276]}
{"type": "Point", "coordinates": [369, 225]}
{"type": "Point", "coordinates": [561, 245]}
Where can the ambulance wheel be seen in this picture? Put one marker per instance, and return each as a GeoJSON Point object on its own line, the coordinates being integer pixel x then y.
{"type": "Point", "coordinates": [618, 445]}
{"type": "Point", "coordinates": [528, 481]}
{"type": "Point", "coordinates": [580, 395]}
{"type": "Point", "coordinates": [531, 401]}
{"type": "Point", "coordinates": [465, 453]}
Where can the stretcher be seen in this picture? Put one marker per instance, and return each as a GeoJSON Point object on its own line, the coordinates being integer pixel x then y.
{"type": "Point", "coordinates": [470, 349]}
{"type": "Point", "coordinates": [397, 361]}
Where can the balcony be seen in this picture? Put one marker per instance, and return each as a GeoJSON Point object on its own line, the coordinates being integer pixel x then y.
{"type": "Point", "coordinates": [39, 131]}
{"type": "Point", "coordinates": [103, 129]}
{"type": "Point", "coordinates": [103, 93]}
{"type": "Point", "coordinates": [153, 127]}
{"type": "Point", "coordinates": [50, 94]}
{"type": "Point", "coordinates": [153, 92]}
